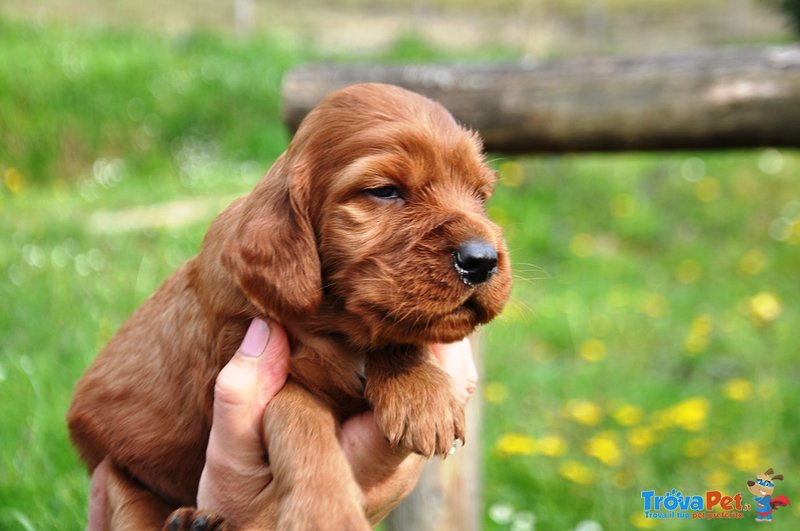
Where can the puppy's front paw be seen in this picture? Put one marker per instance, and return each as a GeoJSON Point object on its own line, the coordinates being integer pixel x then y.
{"type": "Point", "coordinates": [191, 519]}
{"type": "Point", "coordinates": [418, 410]}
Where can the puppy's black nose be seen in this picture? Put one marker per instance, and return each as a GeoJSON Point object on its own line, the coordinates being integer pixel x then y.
{"type": "Point", "coordinates": [475, 261]}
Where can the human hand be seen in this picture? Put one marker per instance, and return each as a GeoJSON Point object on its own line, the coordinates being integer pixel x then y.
{"type": "Point", "coordinates": [236, 472]}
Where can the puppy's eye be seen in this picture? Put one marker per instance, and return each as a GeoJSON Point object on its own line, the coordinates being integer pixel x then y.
{"type": "Point", "coordinates": [384, 192]}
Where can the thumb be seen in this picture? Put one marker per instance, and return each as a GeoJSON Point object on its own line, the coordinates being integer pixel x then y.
{"type": "Point", "coordinates": [245, 385]}
{"type": "Point", "coordinates": [458, 362]}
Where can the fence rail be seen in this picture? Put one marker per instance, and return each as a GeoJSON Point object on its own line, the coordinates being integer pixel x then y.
{"type": "Point", "coordinates": [726, 98]}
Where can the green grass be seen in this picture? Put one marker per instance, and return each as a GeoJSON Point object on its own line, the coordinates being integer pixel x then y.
{"type": "Point", "coordinates": [619, 259]}
{"type": "Point", "coordinates": [73, 96]}
{"type": "Point", "coordinates": [632, 325]}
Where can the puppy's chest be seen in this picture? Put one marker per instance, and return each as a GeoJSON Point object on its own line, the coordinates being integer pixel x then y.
{"type": "Point", "coordinates": [332, 372]}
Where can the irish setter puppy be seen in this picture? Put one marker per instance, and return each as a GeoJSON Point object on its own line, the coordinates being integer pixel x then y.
{"type": "Point", "coordinates": [367, 240]}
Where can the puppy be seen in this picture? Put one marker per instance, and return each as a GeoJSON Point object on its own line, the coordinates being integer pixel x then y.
{"type": "Point", "coordinates": [367, 240]}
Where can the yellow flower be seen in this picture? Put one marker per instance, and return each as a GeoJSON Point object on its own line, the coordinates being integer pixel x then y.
{"type": "Point", "coordinates": [738, 389]}
{"type": "Point", "coordinates": [576, 472]}
{"type": "Point", "coordinates": [495, 392]}
{"type": "Point", "coordinates": [640, 521]}
{"type": "Point", "coordinates": [794, 235]}
{"type": "Point", "coordinates": [688, 271]}
{"type": "Point", "coordinates": [582, 245]}
{"type": "Point", "coordinates": [718, 479]}
{"type": "Point", "coordinates": [604, 448]}
{"type": "Point", "coordinates": [515, 444]}
{"type": "Point", "coordinates": [498, 215]}
{"type": "Point", "coordinates": [584, 412]}
{"type": "Point", "coordinates": [707, 189]}
{"type": "Point", "coordinates": [551, 446]}
{"type": "Point", "coordinates": [627, 415]}
{"type": "Point", "coordinates": [623, 206]}
{"type": "Point", "coordinates": [512, 173]}
{"type": "Point", "coordinates": [690, 414]}
{"type": "Point", "coordinates": [641, 439]}
{"type": "Point", "coordinates": [14, 180]}
{"type": "Point", "coordinates": [697, 447]}
{"type": "Point", "coordinates": [593, 350]}
{"type": "Point", "coordinates": [654, 305]}
{"type": "Point", "coordinates": [765, 308]}
{"type": "Point", "coordinates": [661, 420]}
{"type": "Point", "coordinates": [746, 456]}
{"type": "Point", "coordinates": [752, 263]}
{"type": "Point", "coordinates": [699, 335]}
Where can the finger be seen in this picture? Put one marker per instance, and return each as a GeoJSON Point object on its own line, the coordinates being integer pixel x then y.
{"type": "Point", "coordinates": [457, 360]}
{"type": "Point", "coordinates": [384, 472]}
{"type": "Point", "coordinates": [245, 385]}
{"type": "Point", "coordinates": [98, 496]}
{"type": "Point", "coordinates": [370, 454]}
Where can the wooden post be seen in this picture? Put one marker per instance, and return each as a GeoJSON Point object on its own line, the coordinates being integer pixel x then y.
{"type": "Point", "coordinates": [710, 99]}
{"type": "Point", "coordinates": [243, 16]}
{"type": "Point", "coordinates": [448, 495]}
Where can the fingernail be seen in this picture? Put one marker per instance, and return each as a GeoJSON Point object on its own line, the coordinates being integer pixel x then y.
{"type": "Point", "coordinates": [256, 339]}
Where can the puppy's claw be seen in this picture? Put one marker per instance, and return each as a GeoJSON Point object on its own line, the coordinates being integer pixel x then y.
{"type": "Point", "coordinates": [427, 421]}
{"type": "Point", "coordinates": [191, 519]}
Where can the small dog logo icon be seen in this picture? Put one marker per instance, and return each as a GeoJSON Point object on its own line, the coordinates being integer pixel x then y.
{"type": "Point", "coordinates": [762, 488]}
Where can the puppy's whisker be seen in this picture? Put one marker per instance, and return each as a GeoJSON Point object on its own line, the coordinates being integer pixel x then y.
{"type": "Point", "coordinates": [528, 266]}
{"type": "Point", "coordinates": [521, 308]}
{"type": "Point", "coordinates": [530, 272]}
{"type": "Point", "coordinates": [530, 279]}
{"type": "Point", "coordinates": [521, 305]}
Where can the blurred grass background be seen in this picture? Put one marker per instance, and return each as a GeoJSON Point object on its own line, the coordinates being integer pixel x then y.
{"type": "Point", "coordinates": [651, 342]}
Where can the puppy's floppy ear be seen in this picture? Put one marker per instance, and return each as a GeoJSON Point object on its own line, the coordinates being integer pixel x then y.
{"type": "Point", "coordinates": [273, 253]}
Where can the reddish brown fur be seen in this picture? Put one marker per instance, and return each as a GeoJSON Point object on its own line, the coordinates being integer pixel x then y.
{"type": "Point", "coordinates": [361, 285]}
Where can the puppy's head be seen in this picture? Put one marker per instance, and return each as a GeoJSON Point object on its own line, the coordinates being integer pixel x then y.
{"type": "Point", "coordinates": [376, 211]}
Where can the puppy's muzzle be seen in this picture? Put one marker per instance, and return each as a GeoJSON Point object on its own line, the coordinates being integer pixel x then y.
{"type": "Point", "coordinates": [475, 261]}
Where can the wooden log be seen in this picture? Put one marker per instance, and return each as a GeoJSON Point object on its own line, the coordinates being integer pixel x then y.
{"type": "Point", "coordinates": [708, 99]}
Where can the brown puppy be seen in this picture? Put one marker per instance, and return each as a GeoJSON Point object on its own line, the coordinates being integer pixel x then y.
{"type": "Point", "coordinates": [367, 240]}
